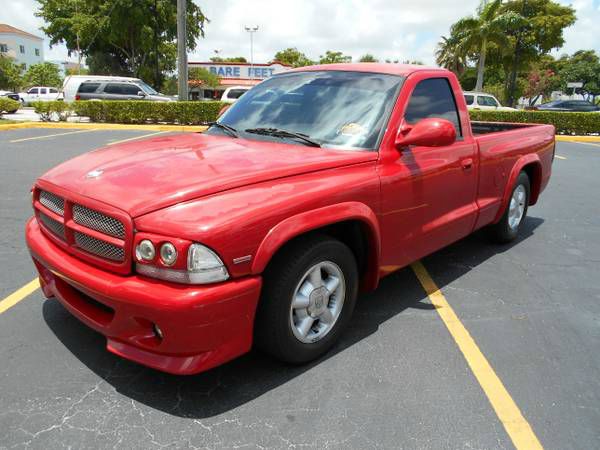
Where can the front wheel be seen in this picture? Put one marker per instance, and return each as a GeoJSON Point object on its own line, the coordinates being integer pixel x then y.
{"type": "Point", "coordinates": [507, 229]}
{"type": "Point", "coordinates": [309, 294]}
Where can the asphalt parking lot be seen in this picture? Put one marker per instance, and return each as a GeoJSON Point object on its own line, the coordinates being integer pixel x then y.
{"type": "Point", "coordinates": [398, 379]}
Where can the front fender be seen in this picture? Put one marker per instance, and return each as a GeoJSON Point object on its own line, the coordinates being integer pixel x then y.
{"type": "Point", "coordinates": [311, 220]}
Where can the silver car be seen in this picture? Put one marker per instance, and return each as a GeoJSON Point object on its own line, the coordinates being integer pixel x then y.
{"type": "Point", "coordinates": [119, 90]}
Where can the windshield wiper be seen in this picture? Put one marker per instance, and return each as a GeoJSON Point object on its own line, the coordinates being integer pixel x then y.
{"type": "Point", "coordinates": [229, 129]}
{"type": "Point", "coordinates": [276, 132]}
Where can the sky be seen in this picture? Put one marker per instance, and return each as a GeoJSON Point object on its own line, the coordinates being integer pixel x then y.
{"type": "Point", "coordinates": [388, 29]}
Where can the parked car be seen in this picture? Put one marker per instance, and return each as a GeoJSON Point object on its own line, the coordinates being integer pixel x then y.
{"type": "Point", "coordinates": [186, 250]}
{"type": "Point", "coordinates": [231, 94]}
{"type": "Point", "coordinates": [72, 82]}
{"type": "Point", "coordinates": [569, 105]}
{"type": "Point", "coordinates": [485, 102]}
{"type": "Point", "coordinates": [118, 90]}
{"type": "Point", "coordinates": [40, 94]}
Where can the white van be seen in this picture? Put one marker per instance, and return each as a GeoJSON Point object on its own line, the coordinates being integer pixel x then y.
{"type": "Point", "coordinates": [231, 94]}
{"type": "Point", "coordinates": [72, 82]}
{"type": "Point", "coordinates": [483, 101]}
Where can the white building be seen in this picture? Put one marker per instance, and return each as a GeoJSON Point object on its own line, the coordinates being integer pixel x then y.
{"type": "Point", "coordinates": [23, 47]}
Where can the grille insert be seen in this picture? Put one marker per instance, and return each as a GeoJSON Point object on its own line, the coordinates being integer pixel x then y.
{"type": "Point", "coordinates": [97, 221]}
{"type": "Point", "coordinates": [97, 247]}
{"type": "Point", "coordinates": [54, 226]}
{"type": "Point", "coordinates": [53, 202]}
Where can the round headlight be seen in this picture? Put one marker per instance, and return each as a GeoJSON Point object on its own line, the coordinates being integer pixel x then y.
{"type": "Point", "coordinates": [145, 251]}
{"type": "Point", "coordinates": [168, 254]}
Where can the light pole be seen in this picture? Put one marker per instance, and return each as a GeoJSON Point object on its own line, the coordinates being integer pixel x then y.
{"type": "Point", "coordinates": [182, 68]}
{"type": "Point", "coordinates": [251, 29]}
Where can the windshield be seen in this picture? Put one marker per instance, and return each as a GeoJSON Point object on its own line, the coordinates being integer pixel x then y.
{"type": "Point", "coordinates": [337, 109]}
{"type": "Point", "coordinates": [147, 89]}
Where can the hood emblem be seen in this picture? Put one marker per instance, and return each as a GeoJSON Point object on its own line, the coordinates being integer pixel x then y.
{"type": "Point", "coordinates": [94, 173]}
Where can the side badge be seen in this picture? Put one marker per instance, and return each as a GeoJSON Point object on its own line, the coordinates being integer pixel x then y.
{"type": "Point", "coordinates": [242, 259]}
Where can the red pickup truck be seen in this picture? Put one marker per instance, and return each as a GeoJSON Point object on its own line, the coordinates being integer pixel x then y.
{"type": "Point", "coordinates": [186, 250]}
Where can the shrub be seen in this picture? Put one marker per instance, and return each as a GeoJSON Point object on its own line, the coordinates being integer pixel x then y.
{"type": "Point", "coordinates": [564, 122]}
{"type": "Point", "coordinates": [48, 110]}
{"type": "Point", "coordinates": [8, 105]}
{"type": "Point", "coordinates": [184, 112]}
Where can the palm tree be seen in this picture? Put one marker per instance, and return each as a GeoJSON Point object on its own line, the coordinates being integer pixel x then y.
{"type": "Point", "coordinates": [475, 34]}
{"type": "Point", "coordinates": [450, 56]}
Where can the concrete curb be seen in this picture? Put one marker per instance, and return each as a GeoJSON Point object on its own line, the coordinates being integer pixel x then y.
{"type": "Point", "coordinates": [101, 126]}
{"type": "Point", "coordinates": [578, 138]}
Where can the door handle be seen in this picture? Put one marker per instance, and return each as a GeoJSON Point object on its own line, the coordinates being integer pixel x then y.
{"type": "Point", "coordinates": [467, 163]}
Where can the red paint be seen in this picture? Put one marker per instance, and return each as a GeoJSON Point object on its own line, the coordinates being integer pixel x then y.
{"type": "Point", "coordinates": [242, 197]}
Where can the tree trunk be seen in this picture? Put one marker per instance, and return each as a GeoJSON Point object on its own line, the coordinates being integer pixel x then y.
{"type": "Point", "coordinates": [481, 66]}
{"type": "Point", "coordinates": [513, 74]}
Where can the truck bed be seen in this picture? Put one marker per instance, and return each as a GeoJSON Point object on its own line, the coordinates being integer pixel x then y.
{"type": "Point", "coordinates": [479, 128]}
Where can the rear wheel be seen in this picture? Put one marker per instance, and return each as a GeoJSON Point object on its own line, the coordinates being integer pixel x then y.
{"type": "Point", "coordinates": [308, 297]}
{"type": "Point", "coordinates": [507, 229]}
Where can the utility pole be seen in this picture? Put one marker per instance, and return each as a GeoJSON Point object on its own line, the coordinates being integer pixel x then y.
{"type": "Point", "coordinates": [252, 29]}
{"type": "Point", "coordinates": [182, 66]}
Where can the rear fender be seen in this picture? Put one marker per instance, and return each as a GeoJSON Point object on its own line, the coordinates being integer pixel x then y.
{"type": "Point", "coordinates": [312, 220]}
{"type": "Point", "coordinates": [530, 158]}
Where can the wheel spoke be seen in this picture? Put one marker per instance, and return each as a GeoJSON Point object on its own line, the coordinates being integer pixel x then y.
{"type": "Point", "coordinates": [327, 316]}
{"type": "Point", "coordinates": [301, 301]}
{"type": "Point", "coordinates": [521, 196]}
{"type": "Point", "coordinates": [332, 283]}
{"type": "Point", "coordinates": [315, 277]}
{"type": "Point", "coordinates": [306, 325]}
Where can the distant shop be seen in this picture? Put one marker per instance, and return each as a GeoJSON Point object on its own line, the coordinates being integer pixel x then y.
{"type": "Point", "coordinates": [230, 75]}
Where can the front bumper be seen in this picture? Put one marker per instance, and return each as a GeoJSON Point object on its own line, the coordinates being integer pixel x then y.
{"type": "Point", "coordinates": [202, 326]}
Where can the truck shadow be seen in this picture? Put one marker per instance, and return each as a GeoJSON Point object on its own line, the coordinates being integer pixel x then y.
{"type": "Point", "coordinates": [252, 375]}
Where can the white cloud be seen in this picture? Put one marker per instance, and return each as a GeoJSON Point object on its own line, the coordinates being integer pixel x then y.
{"type": "Point", "coordinates": [386, 28]}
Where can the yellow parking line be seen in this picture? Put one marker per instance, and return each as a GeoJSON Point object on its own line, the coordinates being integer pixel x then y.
{"type": "Point", "coordinates": [51, 135]}
{"type": "Point", "coordinates": [137, 137]}
{"type": "Point", "coordinates": [559, 157]}
{"type": "Point", "coordinates": [19, 295]}
{"type": "Point", "coordinates": [506, 409]}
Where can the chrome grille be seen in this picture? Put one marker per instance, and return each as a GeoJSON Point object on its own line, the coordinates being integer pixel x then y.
{"type": "Point", "coordinates": [53, 202]}
{"type": "Point", "coordinates": [97, 221]}
{"type": "Point", "coordinates": [98, 247]}
{"type": "Point", "coordinates": [56, 227]}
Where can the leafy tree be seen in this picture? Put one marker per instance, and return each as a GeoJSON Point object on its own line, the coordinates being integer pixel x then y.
{"type": "Point", "coordinates": [235, 59]}
{"type": "Point", "coordinates": [293, 57]}
{"type": "Point", "coordinates": [473, 35]}
{"type": "Point", "coordinates": [368, 58]}
{"type": "Point", "coordinates": [583, 66]}
{"type": "Point", "coordinates": [206, 77]}
{"type": "Point", "coordinates": [43, 74]}
{"type": "Point", "coordinates": [74, 71]}
{"type": "Point", "coordinates": [539, 84]}
{"type": "Point", "coordinates": [450, 56]}
{"type": "Point", "coordinates": [122, 37]}
{"type": "Point", "coordinates": [389, 61]}
{"type": "Point", "coordinates": [539, 30]}
{"type": "Point", "coordinates": [332, 57]}
{"type": "Point", "coordinates": [11, 74]}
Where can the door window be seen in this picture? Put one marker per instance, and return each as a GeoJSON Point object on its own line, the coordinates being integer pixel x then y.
{"type": "Point", "coordinates": [53, 91]}
{"type": "Point", "coordinates": [433, 98]}
{"type": "Point", "coordinates": [130, 89]}
{"type": "Point", "coordinates": [32, 91]}
{"type": "Point", "coordinates": [469, 99]}
{"type": "Point", "coordinates": [484, 100]}
{"type": "Point", "coordinates": [86, 88]}
{"type": "Point", "coordinates": [113, 88]}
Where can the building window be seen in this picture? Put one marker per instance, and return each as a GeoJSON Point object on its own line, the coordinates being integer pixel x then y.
{"type": "Point", "coordinates": [37, 52]}
{"type": "Point", "coordinates": [22, 48]}
{"type": "Point", "coordinates": [3, 48]}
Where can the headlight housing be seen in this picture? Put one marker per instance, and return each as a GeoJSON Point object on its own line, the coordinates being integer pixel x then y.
{"type": "Point", "coordinates": [179, 261]}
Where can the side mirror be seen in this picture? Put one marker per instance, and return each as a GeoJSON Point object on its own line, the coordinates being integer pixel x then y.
{"type": "Point", "coordinates": [141, 94]}
{"type": "Point", "coordinates": [427, 133]}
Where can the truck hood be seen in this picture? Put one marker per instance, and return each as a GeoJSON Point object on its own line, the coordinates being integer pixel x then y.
{"type": "Point", "coordinates": [146, 175]}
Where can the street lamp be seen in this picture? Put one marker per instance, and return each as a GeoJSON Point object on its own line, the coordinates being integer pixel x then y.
{"type": "Point", "coordinates": [251, 29]}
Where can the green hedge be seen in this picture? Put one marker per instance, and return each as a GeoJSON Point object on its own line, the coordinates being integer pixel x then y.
{"type": "Point", "coordinates": [564, 122]}
{"type": "Point", "coordinates": [8, 105]}
{"type": "Point", "coordinates": [49, 110]}
{"type": "Point", "coordinates": [185, 112]}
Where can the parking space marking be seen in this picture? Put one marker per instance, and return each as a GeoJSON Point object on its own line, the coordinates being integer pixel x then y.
{"type": "Point", "coordinates": [19, 295]}
{"type": "Point", "coordinates": [137, 137]}
{"type": "Point", "coordinates": [50, 135]}
{"type": "Point", "coordinates": [518, 429]}
{"type": "Point", "coordinates": [559, 157]}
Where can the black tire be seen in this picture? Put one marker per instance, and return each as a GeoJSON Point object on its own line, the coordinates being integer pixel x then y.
{"type": "Point", "coordinates": [272, 328]}
{"type": "Point", "coordinates": [502, 232]}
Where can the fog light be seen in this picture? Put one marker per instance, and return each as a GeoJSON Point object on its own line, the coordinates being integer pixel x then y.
{"type": "Point", "coordinates": [145, 251]}
{"type": "Point", "coordinates": [168, 254]}
{"type": "Point", "coordinates": [157, 331]}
